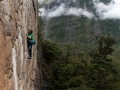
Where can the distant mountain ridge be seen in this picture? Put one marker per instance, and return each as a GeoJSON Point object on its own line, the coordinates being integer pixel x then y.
{"type": "Point", "coordinates": [76, 3]}
{"type": "Point", "coordinates": [67, 3]}
{"type": "Point", "coordinates": [79, 29]}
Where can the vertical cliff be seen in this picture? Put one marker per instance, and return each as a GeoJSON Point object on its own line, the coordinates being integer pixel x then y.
{"type": "Point", "coordinates": [16, 71]}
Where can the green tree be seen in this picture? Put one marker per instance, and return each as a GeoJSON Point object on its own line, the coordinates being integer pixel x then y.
{"type": "Point", "coordinates": [51, 52]}
{"type": "Point", "coordinates": [102, 71]}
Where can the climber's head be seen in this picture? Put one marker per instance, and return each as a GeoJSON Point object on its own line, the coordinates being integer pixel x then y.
{"type": "Point", "coordinates": [30, 31]}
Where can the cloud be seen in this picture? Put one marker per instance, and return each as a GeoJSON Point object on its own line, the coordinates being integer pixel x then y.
{"type": "Point", "coordinates": [108, 11]}
{"type": "Point", "coordinates": [57, 12]}
{"type": "Point", "coordinates": [45, 1]}
{"type": "Point", "coordinates": [88, 14]}
{"type": "Point", "coordinates": [104, 11]}
{"type": "Point", "coordinates": [42, 12]}
{"type": "Point", "coordinates": [65, 11]}
{"type": "Point", "coordinates": [41, 1]}
{"type": "Point", "coordinates": [74, 11]}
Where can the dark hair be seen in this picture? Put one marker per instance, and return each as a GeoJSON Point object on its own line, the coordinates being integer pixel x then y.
{"type": "Point", "coordinates": [30, 31]}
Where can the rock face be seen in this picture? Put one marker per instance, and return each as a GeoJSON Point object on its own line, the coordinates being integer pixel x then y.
{"type": "Point", "coordinates": [16, 71]}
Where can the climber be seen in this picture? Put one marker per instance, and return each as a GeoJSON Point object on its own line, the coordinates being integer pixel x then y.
{"type": "Point", "coordinates": [30, 42]}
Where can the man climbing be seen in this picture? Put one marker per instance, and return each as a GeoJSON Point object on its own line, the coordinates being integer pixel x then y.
{"type": "Point", "coordinates": [30, 42]}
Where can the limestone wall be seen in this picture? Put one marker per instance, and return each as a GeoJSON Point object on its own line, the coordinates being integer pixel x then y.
{"type": "Point", "coordinates": [16, 71]}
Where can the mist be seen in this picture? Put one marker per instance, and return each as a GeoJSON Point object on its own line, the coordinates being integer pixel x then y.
{"type": "Point", "coordinates": [41, 1]}
{"type": "Point", "coordinates": [108, 11]}
{"type": "Point", "coordinates": [45, 1]}
{"type": "Point", "coordinates": [103, 11]}
{"type": "Point", "coordinates": [66, 11]}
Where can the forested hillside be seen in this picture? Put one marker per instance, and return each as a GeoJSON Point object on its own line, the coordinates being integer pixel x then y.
{"type": "Point", "coordinates": [80, 51]}
{"type": "Point", "coordinates": [80, 30]}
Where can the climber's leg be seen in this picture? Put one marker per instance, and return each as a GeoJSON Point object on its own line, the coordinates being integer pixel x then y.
{"type": "Point", "coordinates": [30, 48]}
{"type": "Point", "coordinates": [30, 53]}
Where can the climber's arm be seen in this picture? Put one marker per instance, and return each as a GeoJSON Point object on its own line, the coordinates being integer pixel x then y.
{"type": "Point", "coordinates": [28, 36]}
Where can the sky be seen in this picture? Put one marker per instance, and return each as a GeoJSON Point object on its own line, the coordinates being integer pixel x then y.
{"type": "Point", "coordinates": [104, 11]}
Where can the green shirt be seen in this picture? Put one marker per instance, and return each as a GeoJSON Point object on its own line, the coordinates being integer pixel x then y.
{"type": "Point", "coordinates": [31, 36]}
